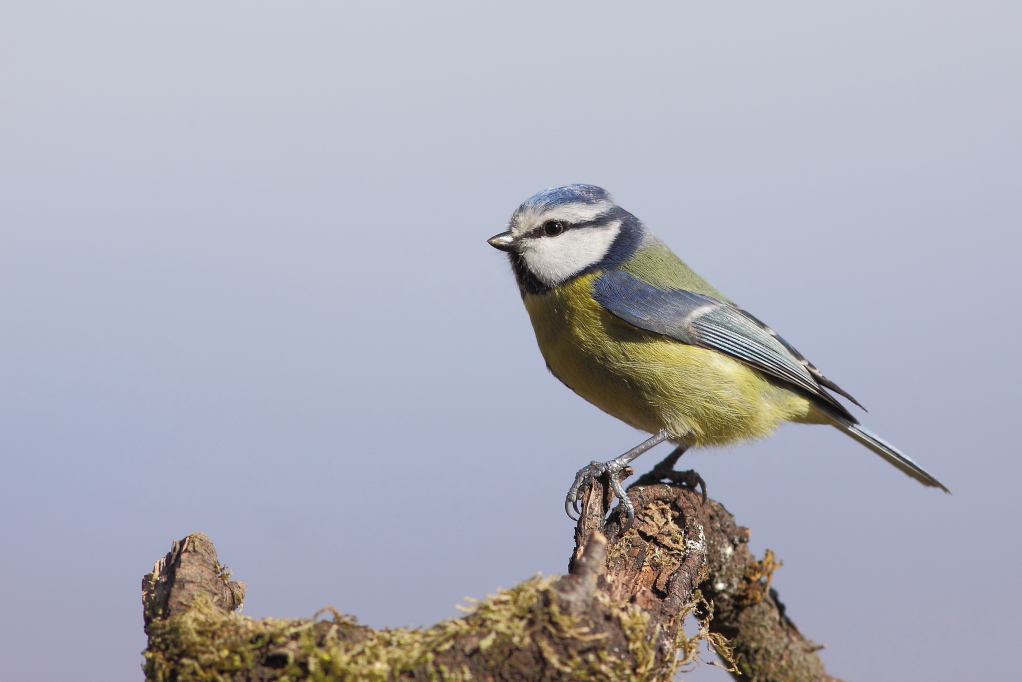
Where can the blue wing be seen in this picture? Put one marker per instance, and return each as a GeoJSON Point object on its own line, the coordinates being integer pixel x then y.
{"type": "Point", "coordinates": [703, 321]}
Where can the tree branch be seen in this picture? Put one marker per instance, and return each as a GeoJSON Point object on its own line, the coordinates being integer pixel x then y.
{"type": "Point", "coordinates": [618, 615]}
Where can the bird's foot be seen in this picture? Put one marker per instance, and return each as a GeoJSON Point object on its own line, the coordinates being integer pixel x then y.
{"type": "Point", "coordinates": [690, 479]}
{"type": "Point", "coordinates": [587, 476]}
{"type": "Point", "coordinates": [665, 471]}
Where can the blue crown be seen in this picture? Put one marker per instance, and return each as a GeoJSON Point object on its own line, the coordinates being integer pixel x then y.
{"type": "Point", "coordinates": [566, 194]}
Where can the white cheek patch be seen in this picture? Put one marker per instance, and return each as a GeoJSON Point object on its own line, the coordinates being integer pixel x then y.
{"type": "Point", "coordinates": [554, 259]}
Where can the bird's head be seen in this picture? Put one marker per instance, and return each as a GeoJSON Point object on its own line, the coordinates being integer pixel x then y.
{"type": "Point", "coordinates": [561, 233]}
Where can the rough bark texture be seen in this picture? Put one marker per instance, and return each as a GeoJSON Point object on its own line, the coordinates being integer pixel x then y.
{"type": "Point", "coordinates": [617, 615]}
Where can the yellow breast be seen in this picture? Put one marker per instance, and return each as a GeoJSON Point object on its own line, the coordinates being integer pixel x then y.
{"type": "Point", "coordinates": [651, 382]}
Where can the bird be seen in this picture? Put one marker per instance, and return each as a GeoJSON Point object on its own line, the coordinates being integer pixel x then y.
{"type": "Point", "coordinates": [628, 326]}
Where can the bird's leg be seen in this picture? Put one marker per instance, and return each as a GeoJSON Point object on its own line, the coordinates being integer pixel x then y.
{"type": "Point", "coordinates": [588, 474]}
{"type": "Point", "coordinates": [665, 470]}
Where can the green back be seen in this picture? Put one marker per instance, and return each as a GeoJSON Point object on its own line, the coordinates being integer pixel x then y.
{"type": "Point", "coordinates": [657, 265]}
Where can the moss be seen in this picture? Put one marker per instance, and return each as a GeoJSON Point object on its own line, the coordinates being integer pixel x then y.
{"type": "Point", "coordinates": [516, 629]}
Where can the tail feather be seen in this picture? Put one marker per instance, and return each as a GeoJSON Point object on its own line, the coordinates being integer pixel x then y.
{"type": "Point", "coordinates": [888, 452]}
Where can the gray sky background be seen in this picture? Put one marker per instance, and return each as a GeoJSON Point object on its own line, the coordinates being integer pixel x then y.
{"type": "Point", "coordinates": [245, 290]}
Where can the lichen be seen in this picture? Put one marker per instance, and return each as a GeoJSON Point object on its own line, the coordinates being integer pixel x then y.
{"type": "Point", "coordinates": [759, 575]}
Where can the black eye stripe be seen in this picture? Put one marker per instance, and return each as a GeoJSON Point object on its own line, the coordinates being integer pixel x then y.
{"type": "Point", "coordinates": [540, 230]}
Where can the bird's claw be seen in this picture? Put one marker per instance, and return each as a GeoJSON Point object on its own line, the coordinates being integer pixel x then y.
{"type": "Point", "coordinates": [586, 477]}
{"type": "Point", "coordinates": [689, 479]}
{"type": "Point", "coordinates": [665, 471]}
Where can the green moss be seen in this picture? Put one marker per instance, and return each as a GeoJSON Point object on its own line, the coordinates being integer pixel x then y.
{"type": "Point", "coordinates": [523, 626]}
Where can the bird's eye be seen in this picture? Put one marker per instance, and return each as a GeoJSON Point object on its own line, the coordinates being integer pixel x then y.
{"type": "Point", "coordinates": [552, 228]}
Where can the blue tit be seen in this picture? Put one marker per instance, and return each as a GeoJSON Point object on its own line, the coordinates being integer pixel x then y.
{"type": "Point", "coordinates": [624, 323]}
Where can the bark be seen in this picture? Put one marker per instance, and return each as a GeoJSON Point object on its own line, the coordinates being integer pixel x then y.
{"type": "Point", "coordinates": [617, 615]}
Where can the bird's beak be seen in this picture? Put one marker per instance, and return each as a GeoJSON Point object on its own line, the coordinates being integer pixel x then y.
{"type": "Point", "coordinates": [505, 241]}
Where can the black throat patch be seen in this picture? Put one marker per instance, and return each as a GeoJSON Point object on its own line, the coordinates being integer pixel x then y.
{"type": "Point", "coordinates": [528, 283]}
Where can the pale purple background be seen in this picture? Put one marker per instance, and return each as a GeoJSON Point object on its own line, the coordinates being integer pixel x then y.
{"type": "Point", "coordinates": [245, 290]}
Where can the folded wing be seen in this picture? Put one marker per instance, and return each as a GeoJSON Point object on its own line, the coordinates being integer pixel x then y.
{"type": "Point", "coordinates": [699, 320]}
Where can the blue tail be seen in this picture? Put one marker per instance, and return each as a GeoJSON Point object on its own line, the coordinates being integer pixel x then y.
{"type": "Point", "coordinates": [888, 452]}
